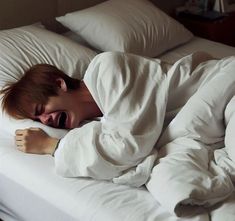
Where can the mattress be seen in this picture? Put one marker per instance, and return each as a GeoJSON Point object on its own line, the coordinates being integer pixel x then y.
{"type": "Point", "coordinates": [216, 49]}
{"type": "Point", "coordinates": [31, 191]}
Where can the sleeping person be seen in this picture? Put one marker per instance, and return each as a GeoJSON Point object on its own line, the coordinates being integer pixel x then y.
{"type": "Point", "coordinates": [127, 92]}
{"type": "Point", "coordinates": [135, 100]}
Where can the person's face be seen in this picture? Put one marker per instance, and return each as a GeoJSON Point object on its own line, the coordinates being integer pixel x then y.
{"type": "Point", "coordinates": [60, 111]}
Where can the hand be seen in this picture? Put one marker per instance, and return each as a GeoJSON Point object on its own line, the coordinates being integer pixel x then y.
{"type": "Point", "coordinates": [35, 140]}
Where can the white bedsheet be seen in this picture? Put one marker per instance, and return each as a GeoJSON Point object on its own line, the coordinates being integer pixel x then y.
{"type": "Point", "coordinates": [31, 191]}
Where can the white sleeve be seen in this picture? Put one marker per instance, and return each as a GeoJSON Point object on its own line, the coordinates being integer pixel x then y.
{"type": "Point", "coordinates": [91, 151]}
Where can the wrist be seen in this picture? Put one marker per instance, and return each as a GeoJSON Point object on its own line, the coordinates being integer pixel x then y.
{"type": "Point", "coordinates": [52, 145]}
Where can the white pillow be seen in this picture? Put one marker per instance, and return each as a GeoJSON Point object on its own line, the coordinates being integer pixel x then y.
{"type": "Point", "coordinates": [20, 48]}
{"type": "Point", "coordinates": [135, 26]}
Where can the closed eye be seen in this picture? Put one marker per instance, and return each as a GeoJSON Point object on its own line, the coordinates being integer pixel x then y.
{"type": "Point", "coordinates": [39, 110]}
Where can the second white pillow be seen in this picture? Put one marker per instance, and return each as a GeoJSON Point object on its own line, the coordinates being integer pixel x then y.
{"type": "Point", "coordinates": [134, 26]}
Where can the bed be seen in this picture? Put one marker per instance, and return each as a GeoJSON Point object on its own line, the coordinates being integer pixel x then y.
{"type": "Point", "coordinates": [30, 189]}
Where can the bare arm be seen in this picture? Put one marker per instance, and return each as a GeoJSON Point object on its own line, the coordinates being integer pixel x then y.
{"type": "Point", "coordinates": [35, 140]}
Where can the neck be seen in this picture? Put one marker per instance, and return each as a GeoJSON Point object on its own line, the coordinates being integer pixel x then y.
{"type": "Point", "coordinates": [93, 111]}
{"type": "Point", "coordinates": [88, 104]}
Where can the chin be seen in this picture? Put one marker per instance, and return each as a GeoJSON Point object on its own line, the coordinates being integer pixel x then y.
{"type": "Point", "coordinates": [74, 125]}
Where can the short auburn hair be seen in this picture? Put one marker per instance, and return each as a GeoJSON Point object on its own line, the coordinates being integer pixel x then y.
{"type": "Point", "coordinates": [36, 86]}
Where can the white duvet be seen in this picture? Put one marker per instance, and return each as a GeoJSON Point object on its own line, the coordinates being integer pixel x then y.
{"type": "Point", "coordinates": [187, 175]}
{"type": "Point", "coordinates": [187, 168]}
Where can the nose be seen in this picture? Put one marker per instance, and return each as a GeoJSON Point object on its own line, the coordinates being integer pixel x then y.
{"type": "Point", "coordinates": [46, 119]}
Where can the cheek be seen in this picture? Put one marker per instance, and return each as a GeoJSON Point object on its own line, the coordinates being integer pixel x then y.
{"type": "Point", "coordinates": [61, 102]}
{"type": "Point", "coordinates": [52, 104]}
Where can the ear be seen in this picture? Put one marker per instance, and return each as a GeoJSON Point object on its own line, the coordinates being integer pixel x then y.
{"type": "Point", "coordinates": [61, 84]}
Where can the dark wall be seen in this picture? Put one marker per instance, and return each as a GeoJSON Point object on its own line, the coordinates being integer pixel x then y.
{"type": "Point", "coordinates": [168, 5]}
{"type": "Point", "coordinates": [71, 5]}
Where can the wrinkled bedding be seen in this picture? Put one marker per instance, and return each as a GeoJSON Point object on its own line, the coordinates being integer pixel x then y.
{"type": "Point", "coordinates": [194, 167]}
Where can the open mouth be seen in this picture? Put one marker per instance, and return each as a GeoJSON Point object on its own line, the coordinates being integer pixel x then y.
{"type": "Point", "coordinates": [62, 120]}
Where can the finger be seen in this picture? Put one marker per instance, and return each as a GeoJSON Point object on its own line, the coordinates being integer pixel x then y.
{"type": "Point", "coordinates": [20, 131]}
{"type": "Point", "coordinates": [21, 148]}
{"type": "Point", "coordinates": [19, 143]}
{"type": "Point", "coordinates": [19, 137]}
